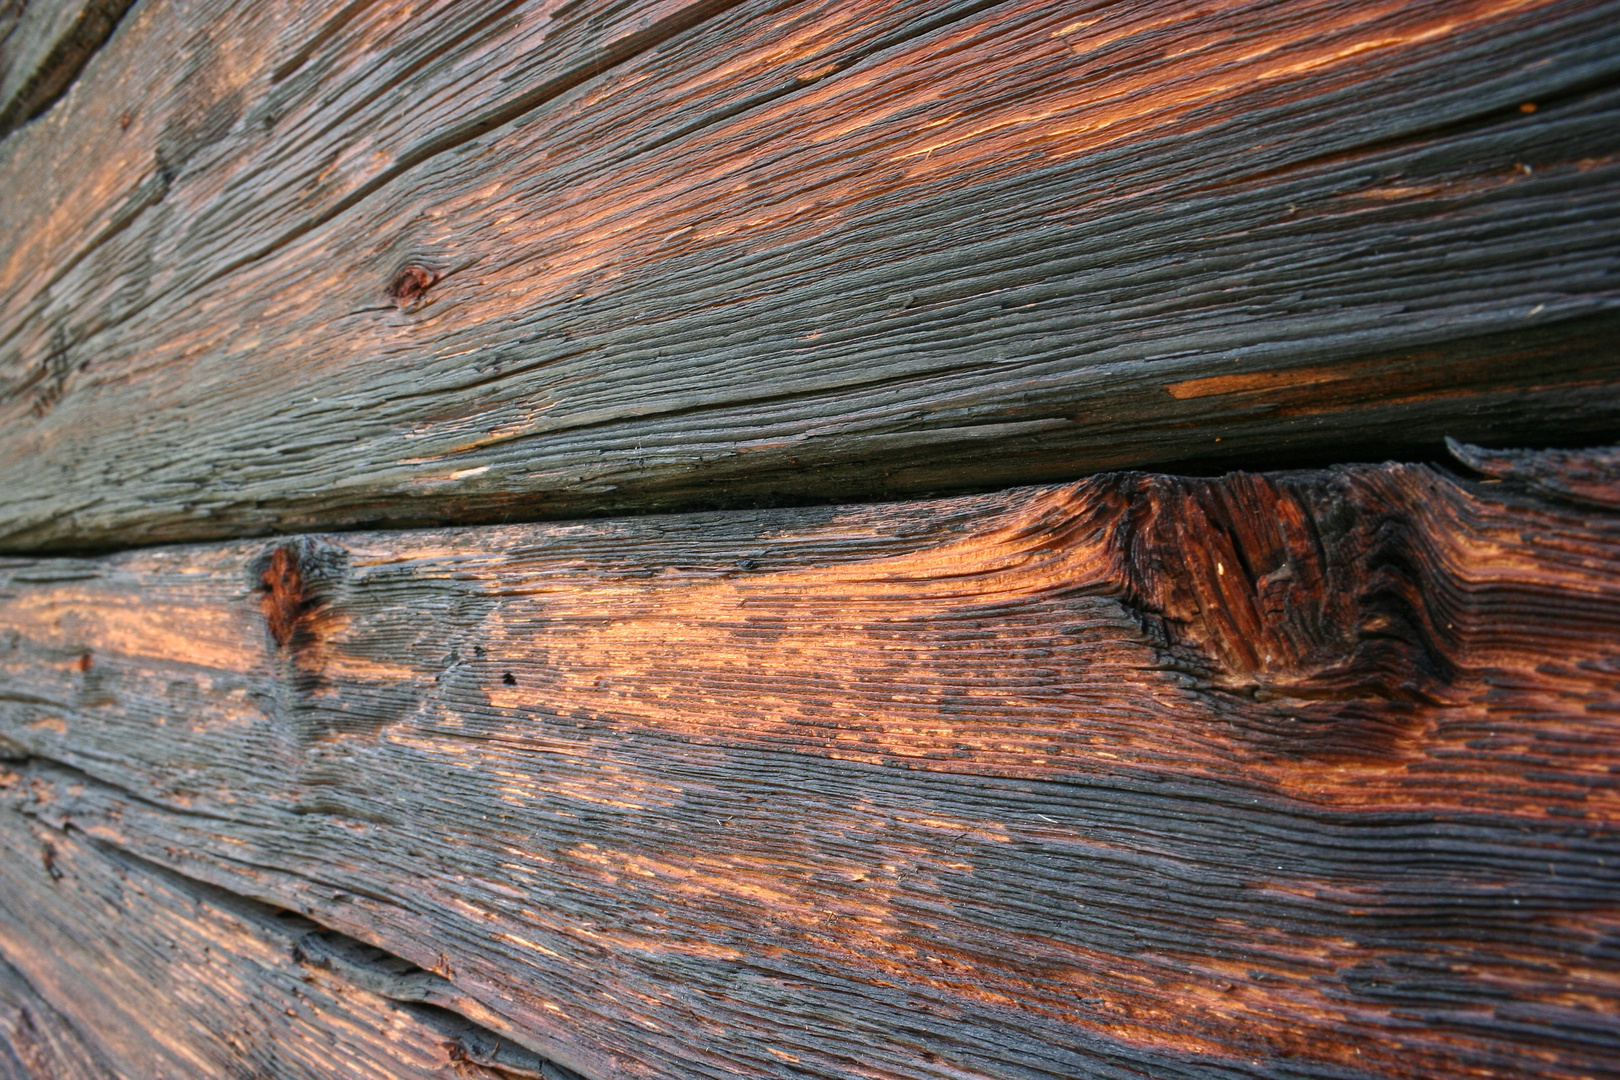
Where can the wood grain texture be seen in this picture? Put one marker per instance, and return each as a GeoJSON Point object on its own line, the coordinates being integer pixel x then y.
{"type": "Point", "coordinates": [476, 264]}
{"type": "Point", "coordinates": [37, 1041]}
{"type": "Point", "coordinates": [1306, 774]}
{"type": "Point", "coordinates": [150, 976]}
{"type": "Point", "coordinates": [1591, 477]}
{"type": "Point", "coordinates": [44, 44]}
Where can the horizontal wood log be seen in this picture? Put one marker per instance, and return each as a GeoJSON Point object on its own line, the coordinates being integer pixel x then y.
{"type": "Point", "coordinates": [44, 44]}
{"type": "Point", "coordinates": [353, 268]}
{"type": "Point", "coordinates": [1306, 774]}
{"type": "Point", "coordinates": [152, 976]}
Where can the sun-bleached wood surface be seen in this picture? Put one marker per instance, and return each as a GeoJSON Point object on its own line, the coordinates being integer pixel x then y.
{"type": "Point", "coordinates": [479, 261]}
{"type": "Point", "coordinates": [1293, 775]}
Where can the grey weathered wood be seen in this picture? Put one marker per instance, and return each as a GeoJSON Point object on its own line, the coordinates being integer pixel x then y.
{"type": "Point", "coordinates": [37, 1041]}
{"type": "Point", "coordinates": [799, 252]}
{"type": "Point", "coordinates": [133, 972]}
{"type": "Point", "coordinates": [1303, 775]}
{"type": "Point", "coordinates": [44, 44]}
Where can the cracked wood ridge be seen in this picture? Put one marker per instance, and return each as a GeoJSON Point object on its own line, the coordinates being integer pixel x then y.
{"type": "Point", "coordinates": [1305, 774]}
{"type": "Point", "coordinates": [475, 260]}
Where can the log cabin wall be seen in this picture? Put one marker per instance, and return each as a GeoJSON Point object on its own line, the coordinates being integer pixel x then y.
{"type": "Point", "coordinates": [845, 539]}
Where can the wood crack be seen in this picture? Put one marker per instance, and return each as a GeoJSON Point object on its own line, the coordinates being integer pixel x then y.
{"type": "Point", "coordinates": [69, 42]}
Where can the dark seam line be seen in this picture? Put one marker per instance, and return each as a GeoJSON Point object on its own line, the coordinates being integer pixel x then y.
{"type": "Point", "coordinates": [55, 75]}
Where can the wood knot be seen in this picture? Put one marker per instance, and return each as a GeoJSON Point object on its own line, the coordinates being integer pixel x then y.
{"type": "Point", "coordinates": [296, 583]}
{"type": "Point", "coordinates": [311, 601]}
{"type": "Point", "coordinates": [284, 601]}
{"type": "Point", "coordinates": [1314, 596]}
{"type": "Point", "coordinates": [410, 286]}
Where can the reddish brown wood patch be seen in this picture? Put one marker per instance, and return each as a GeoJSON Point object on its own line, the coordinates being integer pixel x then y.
{"type": "Point", "coordinates": [410, 286]}
{"type": "Point", "coordinates": [284, 601]}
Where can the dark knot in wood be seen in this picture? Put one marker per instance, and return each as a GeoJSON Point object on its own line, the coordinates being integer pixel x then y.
{"type": "Point", "coordinates": [284, 601]}
{"type": "Point", "coordinates": [410, 286]}
{"type": "Point", "coordinates": [297, 582]}
{"type": "Point", "coordinates": [1315, 599]}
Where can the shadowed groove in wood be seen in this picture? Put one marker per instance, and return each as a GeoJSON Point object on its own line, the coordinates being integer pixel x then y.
{"type": "Point", "coordinates": [43, 49]}
{"type": "Point", "coordinates": [1307, 774]}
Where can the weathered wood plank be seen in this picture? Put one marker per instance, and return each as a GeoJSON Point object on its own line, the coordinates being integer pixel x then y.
{"type": "Point", "coordinates": [44, 44]}
{"type": "Point", "coordinates": [1300, 775]}
{"type": "Point", "coordinates": [803, 251]}
{"type": "Point", "coordinates": [152, 977]}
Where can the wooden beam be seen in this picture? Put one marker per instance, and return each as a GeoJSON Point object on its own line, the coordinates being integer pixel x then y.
{"type": "Point", "coordinates": [1301, 774]}
{"type": "Point", "coordinates": [480, 265]}
{"type": "Point", "coordinates": [132, 971]}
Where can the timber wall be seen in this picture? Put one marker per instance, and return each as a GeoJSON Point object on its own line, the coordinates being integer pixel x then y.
{"type": "Point", "coordinates": [713, 538]}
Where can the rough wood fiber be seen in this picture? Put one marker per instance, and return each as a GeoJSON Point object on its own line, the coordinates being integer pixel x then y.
{"type": "Point", "coordinates": [36, 1041]}
{"type": "Point", "coordinates": [1290, 775]}
{"type": "Point", "coordinates": [153, 977]}
{"type": "Point", "coordinates": [474, 264]}
{"type": "Point", "coordinates": [1585, 476]}
{"type": "Point", "coordinates": [44, 44]}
